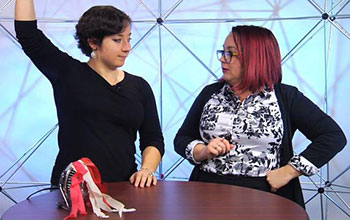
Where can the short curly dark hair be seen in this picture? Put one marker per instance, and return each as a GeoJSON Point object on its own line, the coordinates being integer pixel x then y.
{"type": "Point", "coordinates": [97, 23]}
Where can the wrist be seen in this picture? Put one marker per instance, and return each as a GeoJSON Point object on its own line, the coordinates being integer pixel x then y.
{"type": "Point", "coordinates": [198, 152]}
{"type": "Point", "coordinates": [150, 171]}
{"type": "Point", "coordinates": [291, 171]}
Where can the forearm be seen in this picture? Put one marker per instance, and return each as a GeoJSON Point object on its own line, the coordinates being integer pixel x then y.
{"type": "Point", "coordinates": [151, 158]}
{"type": "Point", "coordinates": [24, 10]}
{"type": "Point", "coordinates": [198, 153]}
{"type": "Point", "coordinates": [291, 172]}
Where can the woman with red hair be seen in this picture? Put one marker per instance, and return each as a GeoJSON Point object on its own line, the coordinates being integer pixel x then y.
{"type": "Point", "coordinates": [239, 130]}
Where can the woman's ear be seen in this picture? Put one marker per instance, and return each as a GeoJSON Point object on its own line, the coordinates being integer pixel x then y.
{"type": "Point", "coordinates": [93, 43]}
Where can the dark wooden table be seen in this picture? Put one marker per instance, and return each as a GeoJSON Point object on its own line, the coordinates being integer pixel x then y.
{"type": "Point", "coordinates": [172, 200]}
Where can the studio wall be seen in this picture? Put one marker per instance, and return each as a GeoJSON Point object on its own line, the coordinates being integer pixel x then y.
{"type": "Point", "coordinates": [177, 57]}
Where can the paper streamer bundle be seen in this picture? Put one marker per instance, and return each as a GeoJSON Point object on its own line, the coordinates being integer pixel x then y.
{"type": "Point", "coordinates": [79, 184]}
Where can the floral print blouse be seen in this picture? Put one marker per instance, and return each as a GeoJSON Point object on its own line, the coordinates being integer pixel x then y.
{"type": "Point", "coordinates": [255, 128]}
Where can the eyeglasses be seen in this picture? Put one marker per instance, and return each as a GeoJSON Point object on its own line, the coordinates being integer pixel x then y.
{"type": "Point", "coordinates": [226, 54]}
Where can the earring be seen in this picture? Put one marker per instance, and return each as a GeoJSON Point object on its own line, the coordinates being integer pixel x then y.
{"type": "Point", "coordinates": [93, 55]}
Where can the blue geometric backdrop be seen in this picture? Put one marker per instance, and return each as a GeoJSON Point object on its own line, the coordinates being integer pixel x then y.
{"type": "Point", "coordinates": [177, 57]}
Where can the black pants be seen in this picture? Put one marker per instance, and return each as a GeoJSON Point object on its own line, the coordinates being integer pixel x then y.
{"type": "Point", "coordinates": [259, 183]}
{"type": "Point", "coordinates": [290, 191]}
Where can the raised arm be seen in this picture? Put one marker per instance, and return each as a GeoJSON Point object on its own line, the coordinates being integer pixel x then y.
{"type": "Point", "coordinates": [24, 10]}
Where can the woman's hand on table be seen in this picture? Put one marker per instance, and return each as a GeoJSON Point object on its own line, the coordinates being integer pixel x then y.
{"type": "Point", "coordinates": [143, 178]}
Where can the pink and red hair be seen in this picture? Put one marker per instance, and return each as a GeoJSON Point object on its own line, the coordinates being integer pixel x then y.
{"type": "Point", "coordinates": [259, 56]}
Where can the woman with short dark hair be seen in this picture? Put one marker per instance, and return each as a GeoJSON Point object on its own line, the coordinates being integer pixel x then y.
{"type": "Point", "coordinates": [100, 107]}
{"type": "Point", "coordinates": [97, 23]}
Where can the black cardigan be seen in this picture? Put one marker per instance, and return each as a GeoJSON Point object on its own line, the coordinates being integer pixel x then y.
{"type": "Point", "coordinates": [298, 112]}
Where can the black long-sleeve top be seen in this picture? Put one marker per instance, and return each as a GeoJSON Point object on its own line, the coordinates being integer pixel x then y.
{"type": "Point", "coordinates": [96, 120]}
